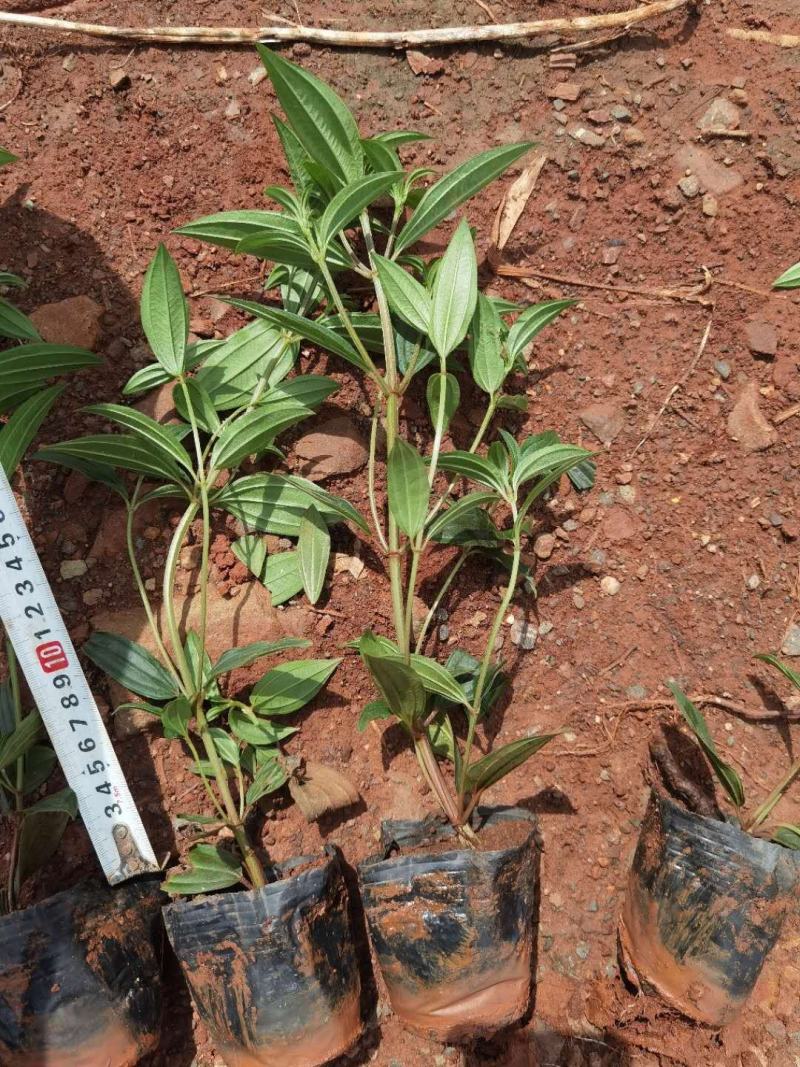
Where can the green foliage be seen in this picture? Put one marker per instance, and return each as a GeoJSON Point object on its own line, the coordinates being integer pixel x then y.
{"type": "Point", "coordinates": [790, 279]}
{"type": "Point", "coordinates": [353, 205]}
{"type": "Point", "coordinates": [727, 776]}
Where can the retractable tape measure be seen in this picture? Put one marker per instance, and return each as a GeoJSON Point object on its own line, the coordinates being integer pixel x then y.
{"type": "Point", "coordinates": [59, 687]}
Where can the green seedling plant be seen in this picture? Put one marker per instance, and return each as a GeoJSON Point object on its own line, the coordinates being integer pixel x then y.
{"type": "Point", "coordinates": [783, 833]}
{"type": "Point", "coordinates": [27, 364]}
{"type": "Point", "coordinates": [234, 398]}
{"type": "Point", "coordinates": [346, 217]}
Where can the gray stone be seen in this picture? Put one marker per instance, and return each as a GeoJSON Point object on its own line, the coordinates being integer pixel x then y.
{"type": "Point", "coordinates": [790, 646]}
{"type": "Point", "coordinates": [586, 137]}
{"type": "Point", "coordinates": [73, 568]}
{"type": "Point", "coordinates": [723, 369]}
{"type": "Point", "coordinates": [524, 634]}
{"type": "Point", "coordinates": [689, 186]}
{"type": "Point", "coordinates": [720, 114]}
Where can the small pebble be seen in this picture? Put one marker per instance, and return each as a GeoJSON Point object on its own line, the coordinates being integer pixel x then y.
{"type": "Point", "coordinates": [723, 369]}
{"type": "Point", "coordinates": [753, 582]}
{"type": "Point", "coordinates": [610, 585]}
{"type": "Point", "coordinates": [524, 634]}
{"type": "Point", "coordinates": [73, 568]}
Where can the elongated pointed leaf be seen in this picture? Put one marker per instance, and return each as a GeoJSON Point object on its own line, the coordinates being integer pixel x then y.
{"type": "Point", "coordinates": [64, 801]}
{"type": "Point", "coordinates": [545, 460]}
{"type": "Point", "coordinates": [14, 324]}
{"type": "Point", "coordinates": [442, 392]}
{"type": "Point", "coordinates": [290, 686]}
{"type": "Point", "coordinates": [295, 155]}
{"type": "Point", "coordinates": [95, 472]}
{"type": "Point", "coordinates": [7, 157]}
{"type": "Point", "coordinates": [279, 573]}
{"type": "Point", "coordinates": [784, 668]}
{"type": "Point", "coordinates": [308, 329]}
{"type": "Point", "coordinates": [165, 313]}
{"type": "Point", "coordinates": [532, 321]}
{"type": "Point", "coordinates": [25, 366]}
{"type": "Point", "coordinates": [20, 740]}
{"type": "Point", "coordinates": [175, 718]}
{"type": "Point", "coordinates": [373, 712]}
{"type": "Point", "coordinates": [468, 465]}
{"type": "Point", "coordinates": [320, 119]}
{"type": "Point", "coordinates": [210, 868]}
{"type": "Point", "coordinates": [437, 679]}
{"type": "Point", "coordinates": [727, 776]}
{"type": "Point", "coordinates": [153, 375]}
{"type": "Point", "coordinates": [314, 551]}
{"type": "Point", "coordinates": [260, 732]}
{"type": "Point", "coordinates": [254, 432]}
{"type": "Point", "coordinates": [466, 505]}
{"type": "Point", "coordinates": [308, 389]}
{"type": "Point", "coordinates": [455, 292]}
{"type": "Point", "coordinates": [787, 835]}
{"type": "Point", "coordinates": [152, 433]}
{"type": "Point", "coordinates": [131, 665]}
{"type": "Point", "coordinates": [269, 777]}
{"type": "Point", "coordinates": [485, 358]}
{"type": "Point", "coordinates": [227, 228]}
{"type": "Point", "coordinates": [202, 405]}
{"type": "Point", "coordinates": [408, 487]}
{"type": "Point", "coordinates": [350, 202]}
{"type": "Point", "coordinates": [23, 425]}
{"type": "Point", "coordinates": [268, 502]}
{"type": "Point", "coordinates": [233, 369]}
{"type": "Point", "coordinates": [398, 683]}
{"type": "Point", "coordinates": [406, 296]}
{"type": "Point", "coordinates": [332, 506]}
{"type": "Point", "coordinates": [120, 450]}
{"type": "Point", "coordinates": [240, 657]}
{"type": "Point", "coordinates": [456, 187]}
{"type": "Point", "coordinates": [790, 279]}
{"type": "Point", "coordinates": [490, 769]}
{"type": "Point", "coordinates": [39, 839]}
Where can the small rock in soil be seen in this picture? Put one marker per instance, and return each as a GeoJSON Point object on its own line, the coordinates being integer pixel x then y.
{"type": "Point", "coordinates": [119, 79]}
{"type": "Point", "coordinates": [762, 338]}
{"type": "Point", "coordinates": [689, 186]}
{"type": "Point", "coordinates": [604, 419]}
{"type": "Point", "coordinates": [720, 114]}
{"type": "Point", "coordinates": [73, 568]}
{"type": "Point", "coordinates": [723, 369]}
{"type": "Point", "coordinates": [747, 424]}
{"type": "Point", "coordinates": [619, 525]}
{"type": "Point", "coordinates": [585, 136]}
{"type": "Point", "coordinates": [159, 404]}
{"type": "Point", "coordinates": [710, 206]}
{"type": "Point", "coordinates": [423, 64]}
{"type": "Point", "coordinates": [74, 321]}
{"type": "Point", "coordinates": [569, 91]}
{"type": "Point", "coordinates": [713, 177]}
{"type": "Point", "coordinates": [790, 646]}
{"type": "Point", "coordinates": [524, 634]}
{"type": "Point", "coordinates": [610, 585]}
{"type": "Point", "coordinates": [543, 546]}
{"type": "Point", "coordinates": [336, 447]}
{"type": "Point", "coordinates": [131, 722]}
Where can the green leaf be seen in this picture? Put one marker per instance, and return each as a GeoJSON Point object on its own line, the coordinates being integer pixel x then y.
{"type": "Point", "coordinates": [372, 712]}
{"type": "Point", "coordinates": [95, 472]}
{"type": "Point", "coordinates": [485, 359]}
{"type": "Point", "coordinates": [442, 738]}
{"type": "Point", "coordinates": [285, 243]}
{"type": "Point", "coordinates": [39, 838]}
{"type": "Point", "coordinates": [311, 390]}
{"type": "Point", "coordinates": [267, 502]}
{"type": "Point", "coordinates": [785, 834]}
{"type": "Point", "coordinates": [254, 432]}
{"type": "Point", "coordinates": [227, 748]}
{"type": "Point", "coordinates": [401, 689]}
{"type": "Point", "coordinates": [437, 679]}
{"type": "Point", "coordinates": [408, 487]}
{"type": "Point", "coordinates": [455, 292]}
{"type": "Point", "coordinates": [119, 450]}
{"type": "Point", "coordinates": [24, 367]}
{"type": "Point", "coordinates": [396, 138]}
{"type": "Point", "coordinates": [156, 437]}
{"type": "Point", "coordinates": [490, 769]}
{"type": "Point", "coordinates": [23, 425]}
{"type": "Point", "coordinates": [232, 370]}
{"type": "Point", "coordinates": [295, 155]}
{"type": "Point", "coordinates": [583, 475]}
{"type": "Point", "coordinates": [456, 187]}
{"type": "Point", "coordinates": [228, 228]}
{"type": "Point", "coordinates": [39, 763]}
{"type": "Point", "coordinates": [442, 389]}
{"type": "Point", "coordinates": [15, 325]}
{"type": "Point", "coordinates": [350, 202]}
{"type": "Point", "coordinates": [269, 777]}
{"type": "Point", "coordinates": [532, 321]}
{"type": "Point", "coordinates": [784, 668]}
{"type": "Point", "coordinates": [7, 157]}
{"type": "Point", "coordinates": [308, 329]}
{"type": "Point", "coordinates": [546, 460]}
{"type": "Point", "coordinates": [176, 717]}
{"type": "Point", "coordinates": [314, 552]}
{"type": "Point", "coordinates": [406, 297]}
{"type": "Point", "coordinates": [240, 657]}
{"type": "Point", "coordinates": [64, 801]}
{"type": "Point", "coordinates": [465, 506]}
{"type": "Point", "coordinates": [20, 740]}
{"type": "Point", "coordinates": [476, 468]}
{"type": "Point", "coordinates": [333, 507]}
{"type": "Point", "coordinates": [11, 281]}
{"type": "Point", "coordinates": [153, 375]}
{"type": "Point", "coordinates": [165, 313]}
{"type": "Point", "coordinates": [257, 732]}
{"type": "Point", "coordinates": [290, 686]}
{"type": "Point", "coordinates": [790, 279]}
{"type": "Point", "coordinates": [131, 665]}
{"type": "Point", "coordinates": [210, 868]}
{"type": "Point", "coordinates": [280, 573]}
{"type": "Point", "coordinates": [728, 778]}
{"type": "Point", "coordinates": [322, 122]}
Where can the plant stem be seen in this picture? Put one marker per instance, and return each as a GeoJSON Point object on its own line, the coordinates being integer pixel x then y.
{"type": "Point", "coordinates": [137, 577]}
{"type": "Point", "coordinates": [196, 756]}
{"type": "Point", "coordinates": [411, 583]}
{"type": "Point", "coordinates": [475, 710]}
{"type": "Point", "coordinates": [439, 596]}
{"type": "Point", "coordinates": [432, 773]}
{"type": "Point", "coordinates": [476, 442]}
{"type": "Point", "coordinates": [373, 503]}
{"type": "Point", "coordinates": [764, 810]}
{"type": "Point", "coordinates": [202, 485]}
{"type": "Point", "coordinates": [375, 374]}
{"type": "Point", "coordinates": [170, 620]}
{"type": "Point", "coordinates": [439, 428]}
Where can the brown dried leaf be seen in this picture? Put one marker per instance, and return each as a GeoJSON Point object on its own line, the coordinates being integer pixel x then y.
{"type": "Point", "coordinates": [513, 203]}
{"type": "Point", "coordinates": [318, 789]}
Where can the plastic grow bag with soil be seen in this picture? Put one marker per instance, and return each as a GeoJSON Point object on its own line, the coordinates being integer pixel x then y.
{"type": "Point", "coordinates": [453, 930]}
{"type": "Point", "coordinates": [273, 971]}
{"type": "Point", "coordinates": [705, 904]}
{"type": "Point", "coordinates": [80, 978]}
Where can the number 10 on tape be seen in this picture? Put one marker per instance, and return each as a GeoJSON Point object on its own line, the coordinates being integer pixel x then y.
{"type": "Point", "coordinates": [65, 702]}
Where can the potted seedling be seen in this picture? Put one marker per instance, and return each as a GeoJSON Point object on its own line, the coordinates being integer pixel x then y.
{"type": "Point", "coordinates": [708, 890]}
{"type": "Point", "coordinates": [79, 972]}
{"type": "Point", "coordinates": [452, 929]}
{"type": "Point", "coordinates": [265, 948]}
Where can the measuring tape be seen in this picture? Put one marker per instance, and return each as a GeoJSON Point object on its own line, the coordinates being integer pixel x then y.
{"type": "Point", "coordinates": [47, 657]}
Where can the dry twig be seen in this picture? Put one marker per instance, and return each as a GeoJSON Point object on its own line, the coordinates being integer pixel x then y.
{"type": "Point", "coordinates": [787, 413]}
{"type": "Point", "coordinates": [783, 40]}
{"type": "Point", "coordinates": [448, 35]}
{"type": "Point", "coordinates": [677, 386]}
{"type": "Point", "coordinates": [692, 295]}
{"type": "Point", "coordinates": [714, 701]}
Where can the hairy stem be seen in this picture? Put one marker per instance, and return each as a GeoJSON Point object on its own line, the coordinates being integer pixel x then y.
{"type": "Point", "coordinates": [202, 485]}
{"type": "Point", "coordinates": [411, 584]}
{"type": "Point", "coordinates": [170, 620]}
{"type": "Point", "coordinates": [373, 502]}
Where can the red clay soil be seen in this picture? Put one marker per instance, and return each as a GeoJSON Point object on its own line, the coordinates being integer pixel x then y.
{"type": "Point", "coordinates": [699, 533]}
